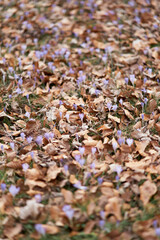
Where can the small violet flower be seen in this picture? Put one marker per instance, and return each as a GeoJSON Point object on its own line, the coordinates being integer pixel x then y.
{"type": "Point", "coordinates": [13, 190]}
{"type": "Point", "coordinates": [38, 198]}
{"type": "Point", "coordinates": [22, 135]}
{"type": "Point", "coordinates": [68, 211]}
{"type": "Point", "coordinates": [29, 139]}
{"type": "Point", "coordinates": [81, 150]}
{"type": "Point", "coordinates": [81, 115]}
{"type": "Point", "coordinates": [129, 141]}
{"type": "Point", "coordinates": [3, 187]}
{"type": "Point", "coordinates": [132, 78]}
{"type": "Point", "coordinates": [25, 166]}
{"type": "Point", "coordinates": [39, 140]}
{"type": "Point", "coordinates": [40, 229]}
{"type": "Point", "coordinates": [12, 145]}
{"type": "Point", "coordinates": [79, 186]}
{"type": "Point", "coordinates": [94, 149]}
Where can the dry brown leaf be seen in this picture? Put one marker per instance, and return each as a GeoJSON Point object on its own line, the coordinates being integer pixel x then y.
{"type": "Point", "coordinates": [34, 174]}
{"type": "Point", "coordinates": [127, 113]}
{"type": "Point", "coordinates": [139, 166]}
{"type": "Point", "coordinates": [5, 201]}
{"type": "Point", "coordinates": [113, 207]}
{"type": "Point", "coordinates": [32, 209]}
{"type": "Point", "coordinates": [91, 207]}
{"type": "Point", "coordinates": [50, 149]}
{"type": "Point", "coordinates": [53, 172]}
{"type": "Point", "coordinates": [50, 229]}
{"type": "Point", "coordinates": [3, 114]}
{"type": "Point", "coordinates": [141, 146]}
{"type": "Point", "coordinates": [32, 183]}
{"type": "Point", "coordinates": [116, 119]}
{"type": "Point", "coordinates": [11, 232]}
{"type": "Point", "coordinates": [147, 190]}
{"type": "Point", "coordinates": [54, 212]}
{"type": "Point", "coordinates": [68, 195]}
{"type": "Point", "coordinates": [89, 226]}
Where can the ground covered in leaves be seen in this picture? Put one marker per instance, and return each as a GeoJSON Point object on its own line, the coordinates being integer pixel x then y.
{"type": "Point", "coordinates": [79, 119]}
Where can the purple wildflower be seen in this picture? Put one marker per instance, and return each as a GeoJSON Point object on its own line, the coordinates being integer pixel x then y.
{"type": "Point", "coordinates": [25, 166]}
{"type": "Point", "coordinates": [27, 114]}
{"type": "Point", "coordinates": [3, 187]}
{"type": "Point", "coordinates": [132, 78]}
{"type": "Point", "coordinates": [126, 80]}
{"type": "Point", "coordinates": [100, 180]}
{"type": "Point", "coordinates": [47, 136]}
{"type": "Point", "coordinates": [32, 154]}
{"type": "Point", "coordinates": [79, 186]}
{"type": "Point", "coordinates": [102, 214]}
{"type": "Point", "coordinates": [66, 168]}
{"type": "Point", "coordinates": [114, 145]}
{"type": "Point", "coordinates": [38, 198]}
{"type": "Point", "coordinates": [94, 149]}
{"type": "Point", "coordinates": [157, 230]}
{"type": "Point", "coordinates": [119, 132]}
{"type": "Point", "coordinates": [81, 115]}
{"type": "Point", "coordinates": [12, 145]}
{"type": "Point", "coordinates": [101, 223]}
{"type": "Point", "coordinates": [39, 140]}
{"type": "Point", "coordinates": [2, 147]}
{"type": "Point", "coordinates": [129, 141]}
{"type": "Point", "coordinates": [121, 140]}
{"type": "Point", "coordinates": [13, 190]}
{"type": "Point", "coordinates": [29, 139]}
{"type": "Point", "coordinates": [109, 105]}
{"type": "Point", "coordinates": [69, 211]}
{"type": "Point", "coordinates": [40, 229]}
{"type": "Point", "coordinates": [22, 135]}
{"type": "Point", "coordinates": [81, 150]}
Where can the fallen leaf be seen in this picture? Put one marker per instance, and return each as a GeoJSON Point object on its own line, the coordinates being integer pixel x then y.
{"type": "Point", "coordinates": [11, 232]}
{"type": "Point", "coordinates": [147, 190]}
{"type": "Point", "coordinates": [53, 172]}
{"type": "Point", "coordinates": [32, 209]}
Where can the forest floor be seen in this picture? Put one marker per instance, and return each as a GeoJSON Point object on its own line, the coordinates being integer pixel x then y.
{"type": "Point", "coordinates": [80, 119]}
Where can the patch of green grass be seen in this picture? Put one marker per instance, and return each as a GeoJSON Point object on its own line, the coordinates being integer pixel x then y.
{"type": "Point", "coordinates": [155, 45]}
{"type": "Point", "coordinates": [28, 228]}
{"type": "Point", "coordinates": [141, 182]}
{"type": "Point", "coordinates": [125, 225]}
{"type": "Point", "coordinates": [4, 177]}
{"type": "Point", "coordinates": [84, 236]}
{"type": "Point", "coordinates": [153, 130]}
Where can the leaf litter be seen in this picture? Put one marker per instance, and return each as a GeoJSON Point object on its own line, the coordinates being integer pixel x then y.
{"type": "Point", "coordinates": [79, 119]}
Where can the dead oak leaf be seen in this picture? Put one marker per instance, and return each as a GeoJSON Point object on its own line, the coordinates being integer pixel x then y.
{"type": "Point", "coordinates": [147, 190]}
